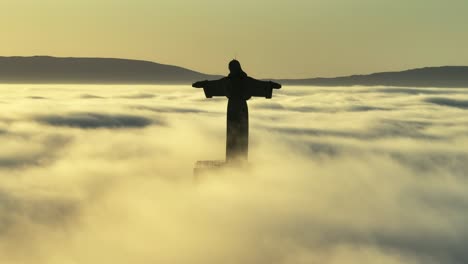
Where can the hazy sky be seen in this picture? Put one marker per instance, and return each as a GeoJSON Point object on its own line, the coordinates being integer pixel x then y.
{"type": "Point", "coordinates": [271, 38]}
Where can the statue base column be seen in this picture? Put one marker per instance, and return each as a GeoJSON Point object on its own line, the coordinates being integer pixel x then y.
{"type": "Point", "coordinates": [212, 166]}
{"type": "Point", "coordinates": [237, 131]}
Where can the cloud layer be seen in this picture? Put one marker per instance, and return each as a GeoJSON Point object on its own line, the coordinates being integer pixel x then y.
{"type": "Point", "coordinates": [92, 174]}
{"type": "Point", "coordinates": [95, 120]}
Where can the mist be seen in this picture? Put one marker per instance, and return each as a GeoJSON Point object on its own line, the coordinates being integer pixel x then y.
{"type": "Point", "coordinates": [104, 174]}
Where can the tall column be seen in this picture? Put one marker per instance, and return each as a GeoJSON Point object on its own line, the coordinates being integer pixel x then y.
{"type": "Point", "coordinates": [237, 134]}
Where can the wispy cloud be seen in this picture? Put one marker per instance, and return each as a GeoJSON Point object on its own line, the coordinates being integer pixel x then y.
{"type": "Point", "coordinates": [380, 179]}
{"type": "Point", "coordinates": [96, 120]}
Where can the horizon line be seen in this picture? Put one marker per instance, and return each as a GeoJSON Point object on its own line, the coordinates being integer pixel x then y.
{"type": "Point", "coordinates": [186, 68]}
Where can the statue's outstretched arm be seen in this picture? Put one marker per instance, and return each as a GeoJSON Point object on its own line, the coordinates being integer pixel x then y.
{"type": "Point", "coordinates": [267, 84]}
{"type": "Point", "coordinates": [212, 88]}
{"type": "Point", "coordinates": [261, 88]}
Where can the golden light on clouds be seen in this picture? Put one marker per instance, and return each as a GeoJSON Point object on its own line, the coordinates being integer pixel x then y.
{"type": "Point", "coordinates": [103, 174]}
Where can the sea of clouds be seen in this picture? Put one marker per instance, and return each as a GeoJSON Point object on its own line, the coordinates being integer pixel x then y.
{"type": "Point", "coordinates": [104, 174]}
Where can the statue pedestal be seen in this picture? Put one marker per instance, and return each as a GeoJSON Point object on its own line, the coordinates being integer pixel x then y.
{"type": "Point", "coordinates": [211, 166]}
{"type": "Point", "coordinates": [207, 166]}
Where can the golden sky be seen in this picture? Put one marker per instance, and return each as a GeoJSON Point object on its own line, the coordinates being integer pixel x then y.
{"type": "Point", "coordinates": [271, 38]}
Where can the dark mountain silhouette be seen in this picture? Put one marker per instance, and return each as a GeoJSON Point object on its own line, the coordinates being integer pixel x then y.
{"type": "Point", "coordinates": [45, 69]}
{"type": "Point", "coordinates": [447, 76]}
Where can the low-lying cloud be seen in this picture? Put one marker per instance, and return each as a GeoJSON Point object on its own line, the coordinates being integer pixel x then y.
{"type": "Point", "coordinates": [138, 96]}
{"type": "Point", "coordinates": [378, 130]}
{"type": "Point", "coordinates": [96, 120]}
{"type": "Point", "coordinates": [170, 109]}
{"type": "Point", "coordinates": [337, 175]}
{"type": "Point", "coordinates": [24, 150]}
{"type": "Point", "coordinates": [448, 102]}
{"type": "Point", "coordinates": [90, 96]}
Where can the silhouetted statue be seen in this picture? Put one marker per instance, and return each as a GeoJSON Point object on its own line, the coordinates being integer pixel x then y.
{"type": "Point", "coordinates": [238, 88]}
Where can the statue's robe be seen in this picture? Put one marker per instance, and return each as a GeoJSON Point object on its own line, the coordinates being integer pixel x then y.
{"type": "Point", "coordinates": [238, 89]}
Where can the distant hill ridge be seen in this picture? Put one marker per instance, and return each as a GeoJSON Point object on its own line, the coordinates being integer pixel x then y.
{"type": "Point", "coordinates": [46, 69]}
{"type": "Point", "coordinates": [445, 76]}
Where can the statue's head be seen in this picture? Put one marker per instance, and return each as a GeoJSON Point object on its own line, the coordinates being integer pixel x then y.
{"type": "Point", "coordinates": [235, 67]}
